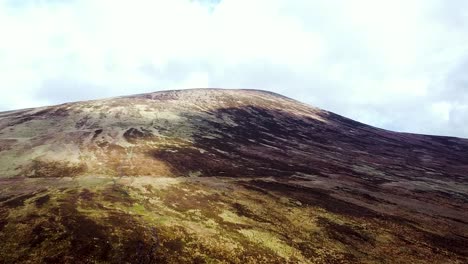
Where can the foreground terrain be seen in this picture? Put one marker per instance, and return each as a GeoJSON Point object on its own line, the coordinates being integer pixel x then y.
{"type": "Point", "coordinates": [224, 176]}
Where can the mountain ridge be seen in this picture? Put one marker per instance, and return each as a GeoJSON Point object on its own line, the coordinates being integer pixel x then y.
{"type": "Point", "coordinates": [188, 90]}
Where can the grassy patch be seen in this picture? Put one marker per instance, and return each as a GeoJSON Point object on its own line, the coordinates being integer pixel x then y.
{"type": "Point", "coordinates": [273, 243]}
{"type": "Point", "coordinates": [54, 169]}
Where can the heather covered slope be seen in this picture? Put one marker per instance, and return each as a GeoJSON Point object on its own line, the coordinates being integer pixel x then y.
{"type": "Point", "coordinates": [234, 176]}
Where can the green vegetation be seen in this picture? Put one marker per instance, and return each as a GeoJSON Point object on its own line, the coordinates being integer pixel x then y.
{"type": "Point", "coordinates": [186, 220]}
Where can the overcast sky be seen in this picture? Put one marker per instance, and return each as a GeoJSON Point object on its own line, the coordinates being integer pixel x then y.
{"type": "Point", "coordinates": [395, 64]}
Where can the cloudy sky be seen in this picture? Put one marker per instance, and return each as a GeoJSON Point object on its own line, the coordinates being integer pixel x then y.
{"type": "Point", "coordinates": [399, 64]}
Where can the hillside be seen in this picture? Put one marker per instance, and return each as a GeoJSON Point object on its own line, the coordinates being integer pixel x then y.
{"type": "Point", "coordinates": [225, 176]}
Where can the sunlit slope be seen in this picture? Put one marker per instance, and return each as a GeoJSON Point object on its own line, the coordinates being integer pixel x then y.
{"type": "Point", "coordinates": [233, 176]}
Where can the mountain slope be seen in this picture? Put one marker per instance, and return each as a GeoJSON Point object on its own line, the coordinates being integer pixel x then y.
{"type": "Point", "coordinates": [227, 175]}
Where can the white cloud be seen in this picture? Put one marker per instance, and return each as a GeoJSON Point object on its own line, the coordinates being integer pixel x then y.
{"type": "Point", "coordinates": [395, 64]}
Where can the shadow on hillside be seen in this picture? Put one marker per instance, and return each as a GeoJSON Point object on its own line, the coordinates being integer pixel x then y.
{"type": "Point", "coordinates": [254, 141]}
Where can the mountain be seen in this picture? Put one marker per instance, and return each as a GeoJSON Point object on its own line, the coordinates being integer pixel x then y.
{"type": "Point", "coordinates": [225, 176]}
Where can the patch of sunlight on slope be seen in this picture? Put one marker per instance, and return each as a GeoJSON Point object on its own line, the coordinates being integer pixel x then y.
{"type": "Point", "coordinates": [272, 242]}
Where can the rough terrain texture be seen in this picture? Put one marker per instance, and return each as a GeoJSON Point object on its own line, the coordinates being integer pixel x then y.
{"type": "Point", "coordinates": [225, 176]}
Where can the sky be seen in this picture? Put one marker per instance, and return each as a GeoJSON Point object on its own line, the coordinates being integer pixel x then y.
{"type": "Point", "coordinates": [400, 65]}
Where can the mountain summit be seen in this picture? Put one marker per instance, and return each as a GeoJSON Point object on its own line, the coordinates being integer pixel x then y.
{"type": "Point", "coordinates": [228, 176]}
